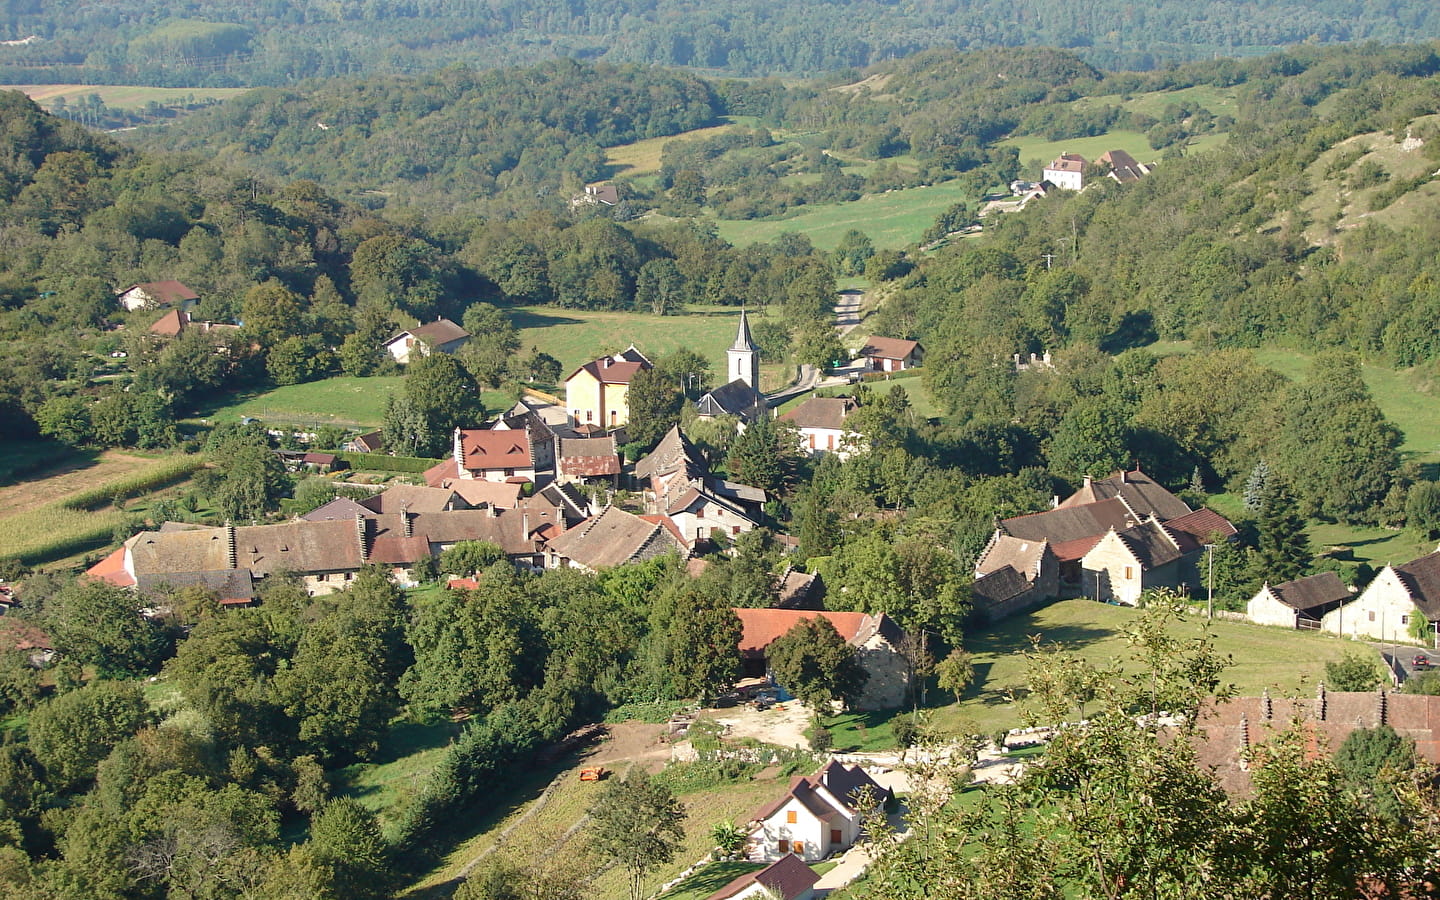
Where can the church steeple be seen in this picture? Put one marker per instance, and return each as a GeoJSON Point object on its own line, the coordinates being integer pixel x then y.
{"type": "Point", "coordinates": [744, 355]}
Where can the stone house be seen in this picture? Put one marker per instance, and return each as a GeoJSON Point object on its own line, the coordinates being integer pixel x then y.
{"type": "Point", "coordinates": [679, 485]}
{"type": "Point", "coordinates": [1014, 575]}
{"type": "Point", "coordinates": [588, 461]}
{"type": "Point", "coordinates": [613, 538]}
{"type": "Point", "coordinates": [819, 815]}
{"type": "Point", "coordinates": [876, 639]}
{"type": "Point", "coordinates": [1301, 603]}
{"type": "Point", "coordinates": [1384, 610]}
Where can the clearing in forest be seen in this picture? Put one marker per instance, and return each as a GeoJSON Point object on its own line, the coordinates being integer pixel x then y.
{"type": "Point", "coordinates": [892, 220]}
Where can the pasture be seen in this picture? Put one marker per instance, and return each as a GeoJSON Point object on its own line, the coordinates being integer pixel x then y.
{"type": "Point", "coordinates": [643, 157]}
{"type": "Point", "coordinates": [1036, 151]}
{"type": "Point", "coordinates": [344, 401]}
{"type": "Point", "coordinates": [577, 336]}
{"type": "Point", "coordinates": [892, 220]}
{"type": "Point", "coordinates": [1283, 661]}
{"type": "Point", "coordinates": [120, 96]}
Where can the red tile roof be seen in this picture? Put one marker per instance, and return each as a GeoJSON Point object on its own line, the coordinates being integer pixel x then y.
{"type": "Point", "coordinates": [484, 450]}
{"type": "Point", "coordinates": [171, 324]}
{"type": "Point", "coordinates": [112, 569]}
{"type": "Point", "coordinates": [1201, 524]}
{"type": "Point", "coordinates": [763, 626]}
{"type": "Point", "coordinates": [613, 373]}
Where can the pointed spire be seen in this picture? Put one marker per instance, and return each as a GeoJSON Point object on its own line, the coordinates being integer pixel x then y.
{"type": "Point", "coordinates": [743, 341]}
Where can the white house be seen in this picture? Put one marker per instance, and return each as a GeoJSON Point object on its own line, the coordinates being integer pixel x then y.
{"type": "Point", "coordinates": [817, 816]}
{"type": "Point", "coordinates": [1066, 172]}
{"type": "Point", "coordinates": [1385, 608]}
{"type": "Point", "coordinates": [1301, 603]}
{"type": "Point", "coordinates": [821, 423]}
{"type": "Point", "coordinates": [156, 295]}
{"type": "Point", "coordinates": [439, 336]}
{"type": "Point", "coordinates": [788, 878]}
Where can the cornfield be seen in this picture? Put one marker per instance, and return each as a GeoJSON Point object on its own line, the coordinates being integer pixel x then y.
{"type": "Point", "coordinates": [74, 524]}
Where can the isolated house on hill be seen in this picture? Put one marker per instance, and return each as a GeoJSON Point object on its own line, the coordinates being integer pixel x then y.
{"type": "Point", "coordinates": [876, 639]}
{"type": "Point", "coordinates": [439, 336]}
{"type": "Point", "coordinates": [597, 393]}
{"type": "Point", "coordinates": [818, 815]}
{"type": "Point", "coordinates": [1301, 603]}
{"type": "Point", "coordinates": [157, 295]}
{"type": "Point", "coordinates": [1066, 172]}
{"type": "Point", "coordinates": [1385, 609]}
{"type": "Point", "coordinates": [882, 354]}
{"type": "Point", "coordinates": [177, 321]}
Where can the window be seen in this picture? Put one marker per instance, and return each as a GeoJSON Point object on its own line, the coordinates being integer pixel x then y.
{"type": "Point", "coordinates": [509, 473]}
{"type": "Point", "coordinates": [836, 837]}
{"type": "Point", "coordinates": [734, 529]}
{"type": "Point", "coordinates": [797, 847]}
{"type": "Point", "coordinates": [829, 442]}
{"type": "Point", "coordinates": [1404, 620]}
{"type": "Point", "coordinates": [790, 817]}
{"type": "Point", "coordinates": [613, 416]}
{"type": "Point", "coordinates": [783, 845]}
{"type": "Point", "coordinates": [812, 441]}
{"type": "Point", "coordinates": [322, 577]}
{"type": "Point", "coordinates": [1372, 615]}
{"type": "Point", "coordinates": [349, 575]}
{"type": "Point", "coordinates": [589, 415]}
{"type": "Point", "coordinates": [1129, 573]}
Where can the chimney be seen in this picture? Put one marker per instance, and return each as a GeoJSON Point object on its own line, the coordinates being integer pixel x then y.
{"type": "Point", "coordinates": [1320, 702]}
{"type": "Point", "coordinates": [1381, 708]}
{"type": "Point", "coordinates": [494, 513]}
{"type": "Point", "coordinates": [1087, 481]}
{"type": "Point", "coordinates": [525, 524]}
{"type": "Point", "coordinates": [1244, 732]}
{"type": "Point", "coordinates": [1266, 708]}
{"type": "Point", "coordinates": [407, 523]}
{"type": "Point", "coordinates": [230, 560]}
{"type": "Point", "coordinates": [360, 538]}
{"type": "Point", "coordinates": [605, 363]}
{"type": "Point", "coordinates": [459, 452]}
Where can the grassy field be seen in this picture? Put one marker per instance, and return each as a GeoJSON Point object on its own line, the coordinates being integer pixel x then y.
{"type": "Point", "coordinates": [407, 756]}
{"type": "Point", "coordinates": [1283, 661]}
{"type": "Point", "coordinates": [892, 220]}
{"type": "Point", "coordinates": [120, 96]}
{"type": "Point", "coordinates": [577, 336]}
{"type": "Point", "coordinates": [343, 400]}
{"type": "Point", "coordinates": [1220, 101]}
{"type": "Point", "coordinates": [643, 157]}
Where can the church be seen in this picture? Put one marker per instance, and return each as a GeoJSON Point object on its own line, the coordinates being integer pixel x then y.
{"type": "Point", "coordinates": [741, 396]}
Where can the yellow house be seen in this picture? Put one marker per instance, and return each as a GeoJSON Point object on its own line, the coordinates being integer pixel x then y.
{"type": "Point", "coordinates": [596, 393]}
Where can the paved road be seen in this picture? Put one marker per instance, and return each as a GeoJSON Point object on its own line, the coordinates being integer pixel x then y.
{"type": "Point", "coordinates": [847, 311]}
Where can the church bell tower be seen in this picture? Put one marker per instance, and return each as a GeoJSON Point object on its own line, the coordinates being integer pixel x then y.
{"type": "Point", "coordinates": [744, 356]}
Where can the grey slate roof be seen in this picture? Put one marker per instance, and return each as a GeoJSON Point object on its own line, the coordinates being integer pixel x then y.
{"type": "Point", "coordinates": [733, 399]}
{"type": "Point", "coordinates": [1313, 595]}
{"type": "Point", "coordinates": [613, 538]}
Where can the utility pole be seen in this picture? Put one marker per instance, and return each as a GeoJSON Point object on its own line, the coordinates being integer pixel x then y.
{"type": "Point", "coordinates": [1049, 258]}
{"type": "Point", "coordinates": [1210, 584]}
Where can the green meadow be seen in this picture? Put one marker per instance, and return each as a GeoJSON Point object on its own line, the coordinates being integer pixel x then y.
{"type": "Point", "coordinates": [892, 220]}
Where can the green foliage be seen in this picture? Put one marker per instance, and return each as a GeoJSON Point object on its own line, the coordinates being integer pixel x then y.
{"type": "Point", "coordinates": [468, 557]}
{"type": "Point", "coordinates": [766, 455]}
{"type": "Point", "coordinates": [813, 662]}
{"type": "Point", "coordinates": [98, 624]}
{"type": "Point", "coordinates": [1355, 672]}
{"type": "Point", "coordinates": [439, 397]}
{"type": "Point", "coordinates": [635, 824]}
{"type": "Point", "coordinates": [71, 734]}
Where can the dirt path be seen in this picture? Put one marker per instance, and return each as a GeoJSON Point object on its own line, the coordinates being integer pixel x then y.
{"type": "Point", "coordinates": [71, 478]}
{"type": "Point", "coordinates": [627, 744]}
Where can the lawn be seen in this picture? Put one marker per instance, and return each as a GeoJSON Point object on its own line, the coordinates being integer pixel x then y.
{"type": "Point", "coordinates": [407, 756]}
{"type": "Point", "coordinates": [25, 457]}
{"type": "Point", "coordinates": [577, 336]}
{"type": "Point", "coordinates": [1283, 661]}
{"type": "Point", "coordinates": [1220, 101]}
{"type": "Point", "coordinates": [343, 401]}
{"type": "Point", "coordinates": [713, 877]}
{"type": "Point", "coordinates": [892, 220]}
{"type": "Point", "coordinates": [921, 402]}
{"type": "Point", "coordinates": [120, 96]}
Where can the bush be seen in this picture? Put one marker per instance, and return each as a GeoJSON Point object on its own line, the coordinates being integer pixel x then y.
{"type": "Point", "coordinates": [379, 462]}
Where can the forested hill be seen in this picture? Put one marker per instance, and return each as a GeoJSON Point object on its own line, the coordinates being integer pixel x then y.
{"type": "Point", "coordinates": [220, 43]}
{"type": "Point", "coordinates": [479, 131]}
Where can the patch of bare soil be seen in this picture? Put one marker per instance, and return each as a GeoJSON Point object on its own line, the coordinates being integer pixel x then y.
{"type": "Point", "coordinates": [781, 727]}
{"type": "Point", "coordinates": [638, 741]}
{"type": "Point", "coordinates": [57, 484]}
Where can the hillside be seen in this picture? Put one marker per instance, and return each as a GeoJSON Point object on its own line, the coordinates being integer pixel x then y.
{"type": "Point", "coordinates": [219, 43]}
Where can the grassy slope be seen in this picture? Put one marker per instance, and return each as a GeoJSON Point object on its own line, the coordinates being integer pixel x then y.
{"type": "Point", "coordinates": [120, 96]}
{"type": "Point", "coordinates": [1283, 661]}
{"type": "Point", "coordinates": [643, 157]}
{"type": "Point", "coordinates": [577, 336]}
{"type": "Point", "coordinates": [1035, 151]}
{"type": "Point", "coordinates": [892, 220]}
{"type": "Point", "coordinates": [342, 400]}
